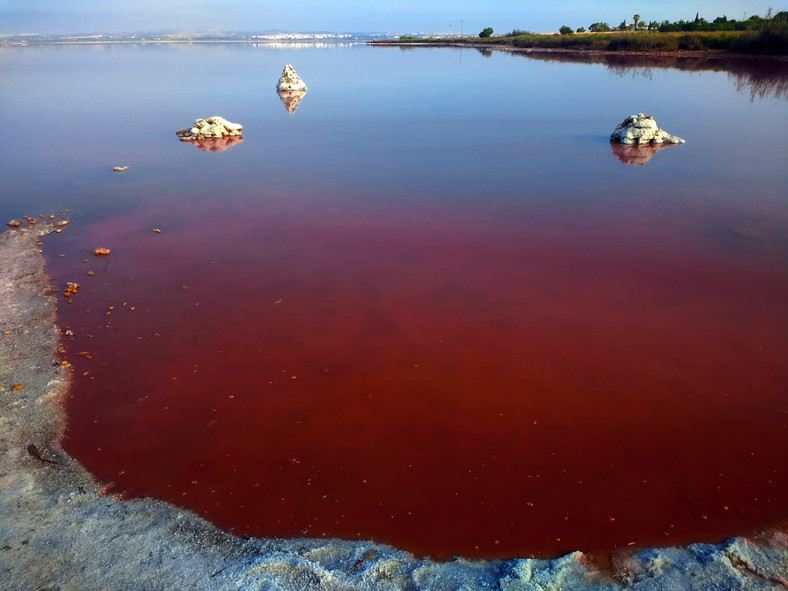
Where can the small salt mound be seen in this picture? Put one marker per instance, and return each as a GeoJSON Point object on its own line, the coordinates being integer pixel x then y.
{"type": "Point", "coordinates": [213, 127]}
{"type": "Point", "coordinates": [289, 80]}
{"type": "Point", "coordinates": [642, 129]}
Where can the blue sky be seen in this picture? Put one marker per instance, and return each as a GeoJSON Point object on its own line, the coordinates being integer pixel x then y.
{"type": "Point", "coordinates": [439, 16]}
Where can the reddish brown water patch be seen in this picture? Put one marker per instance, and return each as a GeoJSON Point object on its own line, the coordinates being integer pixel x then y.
{"type": "Point", "coordinates": [481, 380]}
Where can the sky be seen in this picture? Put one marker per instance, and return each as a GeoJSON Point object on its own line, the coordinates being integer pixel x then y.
{"type": "Point", "coordinates": [397, 16]}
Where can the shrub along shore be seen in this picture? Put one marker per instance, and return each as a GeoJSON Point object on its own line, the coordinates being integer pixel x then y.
{"type": "Point", "coordinates": [769, 41]}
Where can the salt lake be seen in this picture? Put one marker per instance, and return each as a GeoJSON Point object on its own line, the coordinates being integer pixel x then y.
{"type": "Point", "coordinates": [430, 304]}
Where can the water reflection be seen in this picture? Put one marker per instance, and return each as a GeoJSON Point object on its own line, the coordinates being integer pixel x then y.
{"type": "Point", "coordinates": [636, 154]}
{"type": "Point", "coordinates": [217, 144]}
{"type": "Point", "coordinates": [761, 78]}
{"type": "Point", "coordinates": [300, 45]}
{"type": "Point", "coordinates": [291, 98]}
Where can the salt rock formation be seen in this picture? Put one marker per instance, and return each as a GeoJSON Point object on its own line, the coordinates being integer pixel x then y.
{"type": "Point", "coordinates": [289, 80]}
{"type": "Point", "coordinates": [213, 127]}
{"type": "Point", "coordinates": [642, 129]}
{"type": "Point", "coordinates": [291, 98]}
{"type": "Point", "coordinates": [637, 154]}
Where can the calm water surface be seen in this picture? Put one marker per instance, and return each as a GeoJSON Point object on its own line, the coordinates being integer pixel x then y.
{"type": "Point", "coordinates": [432, 306]}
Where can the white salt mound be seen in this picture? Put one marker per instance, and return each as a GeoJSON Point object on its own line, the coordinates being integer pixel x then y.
{"type": "Point", "coordinates": [642, 129]}
{"type": "Point", "coordinates": [289, 80]}
{"type": "Point", "coordinates": [213, 127]}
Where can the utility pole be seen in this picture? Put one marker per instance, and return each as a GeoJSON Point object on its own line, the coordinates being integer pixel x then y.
{"type": "Point", "coordinates": [461, 22]}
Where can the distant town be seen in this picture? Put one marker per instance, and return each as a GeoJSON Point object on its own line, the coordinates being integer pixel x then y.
{"type": "Point", "coordinates": [193, 37]}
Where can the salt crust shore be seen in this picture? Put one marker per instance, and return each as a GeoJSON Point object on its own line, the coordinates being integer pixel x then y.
{"type": "Point", "coordinates": [58, 532]}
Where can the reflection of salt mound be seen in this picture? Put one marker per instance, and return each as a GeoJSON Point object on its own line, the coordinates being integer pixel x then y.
{"type": "Point", "coordinates": [636, 154]}
{"type": "Point", "coordinates": [642, 129]}
{"type": "Point", "coordinates": [289, 80]}
{"type": "Point", "coordinates": [218, 144]}
{"type": "Point", "coordinates": [291, 98]}
{"type": "Point", "coordinates": [213, 127]}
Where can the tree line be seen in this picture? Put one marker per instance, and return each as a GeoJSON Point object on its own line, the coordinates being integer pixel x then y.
{"type": "Point", "coordinates": [721, 23]}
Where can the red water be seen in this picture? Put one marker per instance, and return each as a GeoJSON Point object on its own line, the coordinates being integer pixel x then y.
{"type": "Point", "coordinates": [482, 379]}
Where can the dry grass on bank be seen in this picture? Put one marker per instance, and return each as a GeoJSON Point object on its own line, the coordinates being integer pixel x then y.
{"type": "Point", "coordinates": [771, 40]}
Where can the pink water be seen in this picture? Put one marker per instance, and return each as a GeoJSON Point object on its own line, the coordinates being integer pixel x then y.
{"type": "Point", "coordinates": [487, 379]}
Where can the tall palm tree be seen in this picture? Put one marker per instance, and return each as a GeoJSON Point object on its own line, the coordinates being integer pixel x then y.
{"type": "Point", "coordinates": [637, 18]}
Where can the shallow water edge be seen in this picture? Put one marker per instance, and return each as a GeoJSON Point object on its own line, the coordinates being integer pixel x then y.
{"type": "Point", "coordinates": [59, 530]}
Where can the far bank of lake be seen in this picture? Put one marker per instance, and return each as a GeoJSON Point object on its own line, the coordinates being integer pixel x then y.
{"type": "Point", "coordinates": [771, 40]}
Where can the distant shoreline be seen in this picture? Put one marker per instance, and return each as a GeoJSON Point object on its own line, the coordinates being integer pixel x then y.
{"type": "Point", "coordinates": [175, 42]}
{"type": "Point", "coordinates": [38, 39]}
{"type": "Point", "coordinates": [459, 43]}
{"type": "Point", "coordinates": [696, 53]}
{"type": "Point", "coordinates": [766, 43]}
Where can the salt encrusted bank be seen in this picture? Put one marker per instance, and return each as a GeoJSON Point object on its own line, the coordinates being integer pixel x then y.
{"type": "Point", "coordinates": [642, 129]}
{"type": "Point", "coordinates": [213, 127]}
{"type": "Point", "coordinates": [289, 80]}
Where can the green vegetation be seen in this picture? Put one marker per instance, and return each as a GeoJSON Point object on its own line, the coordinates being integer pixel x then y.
{"type": "Point", "coordinates": [643, 41]}
{"type": "Point", "coordinates": [599, 28]}
{"type": "Point", "coordinates": [721, 23]}
{"type": "Point", "coordinates": [756, 35]}
{"type": "Point", "coordinates": [770, 37]}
